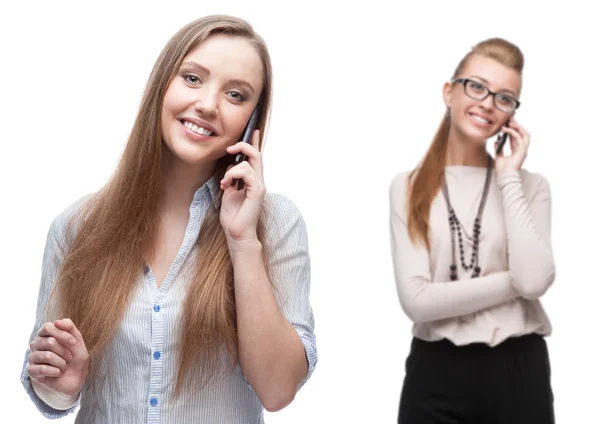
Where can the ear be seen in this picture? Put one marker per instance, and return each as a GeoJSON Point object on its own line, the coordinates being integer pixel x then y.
{"type": "Point", "coordinates": [447, 94]}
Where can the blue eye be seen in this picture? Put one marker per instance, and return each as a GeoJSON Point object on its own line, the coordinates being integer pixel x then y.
{"type": "Point", "coordinates": [236, 95]}
{"type": "Point", "coordinates": [505, 100]}
{"type": "Point", "coordinates": [477, 86]}
{"type": "Point", "coordinates": [192, 79]}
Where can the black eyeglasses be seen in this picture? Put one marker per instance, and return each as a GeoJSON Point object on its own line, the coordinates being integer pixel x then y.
{"type": "Point", "coordinates": [478, 91]}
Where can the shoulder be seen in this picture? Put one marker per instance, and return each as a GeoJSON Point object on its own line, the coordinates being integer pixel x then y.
{"type": "Point", "coordinates": [398, 190]}
{"type": "Point", "coordinates": [400, 182]}
{"type": "Point", "coordinates": [282, 222]}
{"type": "Point", "coordinates": [278, 211]}
{"type": "Point", "coordinates": [66, 222]}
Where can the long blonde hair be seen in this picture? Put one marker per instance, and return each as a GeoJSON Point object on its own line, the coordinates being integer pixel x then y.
{"type": "Point", "coordinates": [105, 259]}
{"type": "Point", "coordinates": [426, 179]}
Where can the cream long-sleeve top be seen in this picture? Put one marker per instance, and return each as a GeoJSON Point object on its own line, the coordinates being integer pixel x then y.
{"type": "Point", "coordinates": [515, 256]}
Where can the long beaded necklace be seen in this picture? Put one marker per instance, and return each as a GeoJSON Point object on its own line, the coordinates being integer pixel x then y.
{"type": "Point", "coordinates": [455, 229]}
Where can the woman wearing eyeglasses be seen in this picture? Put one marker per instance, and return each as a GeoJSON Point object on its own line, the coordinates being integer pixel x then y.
{"type": "Point", "coordinates": [472, 257]}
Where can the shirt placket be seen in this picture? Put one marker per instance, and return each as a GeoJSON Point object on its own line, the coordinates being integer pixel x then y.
{"type": "Point", "coordinates": [157, 331]}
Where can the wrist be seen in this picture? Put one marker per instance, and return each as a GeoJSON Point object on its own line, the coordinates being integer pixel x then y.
{"type": "Point", "coordinates": [239, 247]}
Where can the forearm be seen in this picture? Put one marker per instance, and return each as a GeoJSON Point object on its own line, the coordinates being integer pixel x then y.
{"type": "Point", "coordinates": [531, 262]}
{"type": "Point", "coordinates": [425, 301]}
{"type": "Point", "coordinates": [54, 399]}
{"type": "Point", "coordinates": [271, 353]}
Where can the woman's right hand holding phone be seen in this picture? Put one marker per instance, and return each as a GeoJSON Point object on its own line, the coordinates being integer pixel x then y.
{"type": "Point", "coordinates": [59, 358]}
{"type": "Point", "coordinates": [519, 145]}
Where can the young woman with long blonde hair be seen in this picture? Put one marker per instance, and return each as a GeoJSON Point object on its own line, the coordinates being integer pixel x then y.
{"type": "Point", "coordinates": [170, 295]}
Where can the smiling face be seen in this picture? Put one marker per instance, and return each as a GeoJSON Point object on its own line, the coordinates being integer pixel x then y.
{"type": "Point", "coordinates": [478, 120]}
{"type": "Point", "coordinates": [210, 99]}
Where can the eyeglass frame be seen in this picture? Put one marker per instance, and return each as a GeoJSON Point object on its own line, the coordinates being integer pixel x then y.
{"type": "Point", "coordinates": [464, 81]}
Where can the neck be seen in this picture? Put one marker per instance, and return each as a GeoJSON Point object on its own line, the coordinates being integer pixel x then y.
{"type": "Point", "coordinates": [462, 151]}
{"type": "Point", "coordinates": [182, 180]}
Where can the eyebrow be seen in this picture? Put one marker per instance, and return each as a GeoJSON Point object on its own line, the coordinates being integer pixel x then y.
{"type": "Point", "coordinates": [487, 82]}
{"type": "Point", "coordinates": [205, 70]}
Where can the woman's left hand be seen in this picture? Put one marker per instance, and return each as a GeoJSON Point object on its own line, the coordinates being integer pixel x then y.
{"type": "Point", "coordinates": [240, 209]}
{"type": "Point", "coordinates": [519, 145]}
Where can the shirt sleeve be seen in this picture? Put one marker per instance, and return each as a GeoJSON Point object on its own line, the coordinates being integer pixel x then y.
{"type": "Point", "coordinates": [288, 264]}
{"type": "Point", "coordinates": [530, 257]}
{"type": "Point", "coordinates": [423, 300]}
{"type": "Point", "coordinates": [54, 253]}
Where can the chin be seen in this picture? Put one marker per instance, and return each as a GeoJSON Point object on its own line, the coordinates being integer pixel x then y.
{"type": "Point", "coordinates": [194, 154]}
{"type": "Point", "coordinates": [476, 136]}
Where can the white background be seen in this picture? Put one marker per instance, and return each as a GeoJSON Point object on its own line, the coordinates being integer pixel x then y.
{"type": "Point", "coordinates": [357, 99]}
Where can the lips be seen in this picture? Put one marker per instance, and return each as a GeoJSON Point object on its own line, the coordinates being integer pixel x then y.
{"type": "Point", "coordinates": [198, 130]}
{"type": "Point", "coordinates": [190, 122]}
{"type": "Point", "coordinates": [480, 120]}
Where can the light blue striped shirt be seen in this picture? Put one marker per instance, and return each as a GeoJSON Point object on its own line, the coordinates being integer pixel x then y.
{"type": "Point", "coordinates": [138, 370]}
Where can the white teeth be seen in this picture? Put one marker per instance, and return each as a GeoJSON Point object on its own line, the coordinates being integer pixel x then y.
{"type": "Point", "coordinates": [196, 129]}
{"type": "Point", "coordinates": [480, 119]}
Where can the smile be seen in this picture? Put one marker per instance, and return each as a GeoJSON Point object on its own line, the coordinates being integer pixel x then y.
{"type": "Point", "coordinates": [480, 120]}
{"type": "Point", "coordinates": [197, 129]}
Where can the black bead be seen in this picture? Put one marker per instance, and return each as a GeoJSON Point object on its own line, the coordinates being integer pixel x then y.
{"type": "Point", "coordinates": [477, 269]}
{"type": "Point", "coordinates": [453, 267]}
{"type": "Point", "coordinates": [453, 277]}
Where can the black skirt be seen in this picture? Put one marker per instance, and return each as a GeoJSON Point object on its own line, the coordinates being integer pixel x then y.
{"type": "Point", "coordinates": [476, 383]}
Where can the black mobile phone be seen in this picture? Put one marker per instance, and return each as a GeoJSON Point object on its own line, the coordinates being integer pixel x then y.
{"type": "Point", "coordinates": [247, 138]}
{"type": "Point", "coordinates": [503, 139]}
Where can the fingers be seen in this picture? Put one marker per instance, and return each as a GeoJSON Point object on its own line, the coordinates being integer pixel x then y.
{"type": "Point", "coordinates": [518, 143]}
{"type": "Point", "coordinates": [47, 358]}
{"type": "Point", "coordinates": [251, 151]}
{"type": "Point", "coordinates": [50, 329]}
{"type": "Point", "coordinates": [515, 126]}
{"type": "Point", "coordinates": [244, 172]}
{"type": "Point", "coordinates": [67, 325]}
{"type": "Point", "coordinates": [245, 148]}
{"type": "Point", "coordinates": [52, 345]}
{"type": "Point", "coordinates": [76, 344]}
{"type": "Point", "coordinates": [40, 372]}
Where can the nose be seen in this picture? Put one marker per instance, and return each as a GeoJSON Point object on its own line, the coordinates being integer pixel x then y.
{"type": "Point", "coordinates": [488, 102]}
{"type": "Point", "coordinates": [206, 103]}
